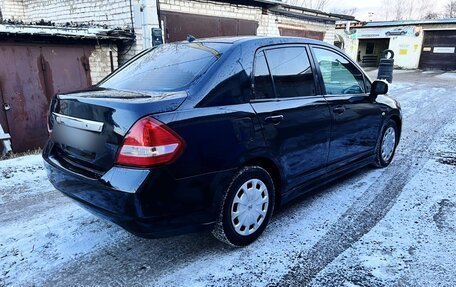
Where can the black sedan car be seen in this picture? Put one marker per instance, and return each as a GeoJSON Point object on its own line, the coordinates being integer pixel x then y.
{"type": "Point", "coordinates": [217, 133]}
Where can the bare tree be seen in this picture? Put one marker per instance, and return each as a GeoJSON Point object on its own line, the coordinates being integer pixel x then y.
{"type": "Point", "coordinates": [450, 9]}
{"type": "Point", "coordinates": [346, 11]}
{"type": "Point", "coordinates": [312, 4]}
{"type": "Point", "coordinates": [386, 9]}
{"type": "Point", "coordinates": [431, 15]}
{"type": "Point", "coordinates": [426, 10]}
{"type": "Point", "coordinates": [409, 9]}
{"type": "Point", "coordinates": [398, 11]}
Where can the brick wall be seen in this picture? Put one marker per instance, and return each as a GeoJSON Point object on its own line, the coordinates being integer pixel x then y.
{"type": "Point", "coordinates": [100, 62]}
{"type": "Point", "coordinates": [12, 9]}
{"type": "Point", "coordinates": [211, 9]}
{"type": "Point", "coordinates": [114, 13]}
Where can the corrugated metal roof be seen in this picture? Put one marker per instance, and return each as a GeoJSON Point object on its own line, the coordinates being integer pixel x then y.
{"type": "Point", "coordinates": [66, 32]}
{"type": "Point", "coordinates": [410, 22]}
{"type": "Point", "coordinates": [290, 10]}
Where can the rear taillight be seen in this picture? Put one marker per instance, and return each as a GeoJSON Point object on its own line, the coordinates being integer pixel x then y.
{"type": "Point", "coordinates": [148, 143]}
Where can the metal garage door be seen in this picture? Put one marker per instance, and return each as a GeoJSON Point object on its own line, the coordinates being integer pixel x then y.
{"type": "Point", "coordinates": [29, 77]}
{"type": "Point", "coordinates": [439, 50]}
{"type": "Point", "coordinates": [179, 25]}
{"type": "Point", "coordinates": [317, 35]}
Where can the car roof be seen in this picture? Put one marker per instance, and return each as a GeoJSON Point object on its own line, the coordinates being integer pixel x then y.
{"type": "Point", "coordinates": [260, 40]}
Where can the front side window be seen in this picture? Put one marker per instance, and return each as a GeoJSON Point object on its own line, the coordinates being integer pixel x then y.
{"type": "Point", "coordinates": [291, 72]}
{"type": "Point", "coordinates": [166, 68]}
{"type": "Point", "coordinates": [339, 75]}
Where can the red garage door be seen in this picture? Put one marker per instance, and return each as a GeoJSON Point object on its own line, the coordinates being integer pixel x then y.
{"type": "Point", "coordinates": [179, 25]}
{"type": "Point", "coordinates": [317, 35]}
{"type": "Point", "coordinates": [30, 75]}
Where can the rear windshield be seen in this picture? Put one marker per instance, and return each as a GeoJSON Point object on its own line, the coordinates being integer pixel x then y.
{"type": "Point", "coordinates": [169, 67]}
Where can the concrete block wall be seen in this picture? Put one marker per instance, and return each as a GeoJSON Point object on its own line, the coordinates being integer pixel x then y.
{"type": "Point", "coordinates": [12, 9]}
{"type": "Point", "coordinates": [114, 13]}
{"type": "Point", "coordinates": [100, 62]}
{"type": "Point", "coordinates": [211, 8]}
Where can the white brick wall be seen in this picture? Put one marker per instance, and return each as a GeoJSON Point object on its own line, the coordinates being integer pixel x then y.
{"type": "Point", "coordinates": [12, 9]}
{"type": "Point", "coordinates": [114, 13]}
{"type": "Point", "coordinates": [211, 9]}
{"type": "Point", "coordinates": [100, 62]}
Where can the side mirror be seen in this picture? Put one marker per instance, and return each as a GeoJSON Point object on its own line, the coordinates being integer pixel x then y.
{"type": "Point", "coordinates": [379, 87]}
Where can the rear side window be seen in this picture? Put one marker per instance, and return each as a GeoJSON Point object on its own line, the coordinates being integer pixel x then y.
{"type": "Point", "coordinates": [339, 75]}
{"type": "Point", "coordinates": [291, 72]}
{"type": "Point", "coordinates": [166, 68]}
{"type": "Point", "coordinates": [262, 82]}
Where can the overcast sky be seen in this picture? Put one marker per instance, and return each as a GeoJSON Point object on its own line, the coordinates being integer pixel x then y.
{"type": "Point", "coordinates": [375, 6]}
{"type": "Point", "coordinates": [363, 7]}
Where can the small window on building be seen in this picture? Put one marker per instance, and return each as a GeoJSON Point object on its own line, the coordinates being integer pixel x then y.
{"type": "Point", "coordinates": [262, 82]}
{"type": "Point", "coordinates": [370, 48]}
{"type": "Point", "coordinates": [291, 72]}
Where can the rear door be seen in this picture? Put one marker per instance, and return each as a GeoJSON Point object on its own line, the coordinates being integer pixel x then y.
{"type": "Point", "coordinates": [356, 118]}
{"type": "Point", "coordinates": [295, 117]}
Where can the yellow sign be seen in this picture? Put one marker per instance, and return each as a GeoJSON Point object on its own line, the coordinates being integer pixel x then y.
{"type": "Point", "coordinates": [403, 52]}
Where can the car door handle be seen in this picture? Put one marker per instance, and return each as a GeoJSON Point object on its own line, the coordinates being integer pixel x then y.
{"type": "Point", "coordinates": [274, 119]}
{"type": "Point", "coordinates": [339, 109]}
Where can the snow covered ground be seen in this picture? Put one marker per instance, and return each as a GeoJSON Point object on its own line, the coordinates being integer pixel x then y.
{"type": "Point", "coordinates": [389, 227]}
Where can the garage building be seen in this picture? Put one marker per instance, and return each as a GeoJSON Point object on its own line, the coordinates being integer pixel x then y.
{"type": "Point", "coordinates": [38, 62]}
{"type": "Point", "coordinates": [424, 44]}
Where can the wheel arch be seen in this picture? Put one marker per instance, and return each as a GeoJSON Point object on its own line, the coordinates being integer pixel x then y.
{"type": "Point", "coordinates": [271, 167]}
{"type": "Point", "coordinates": [397, 119]}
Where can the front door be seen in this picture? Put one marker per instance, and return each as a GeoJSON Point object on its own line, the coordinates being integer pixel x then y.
{"type": "Point", "coordinates": [296, 120]}
{"type": "Point", "coordinates": [356, 118]}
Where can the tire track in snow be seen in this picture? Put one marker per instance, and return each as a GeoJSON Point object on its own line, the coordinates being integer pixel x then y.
{"type": "Point", "coordinates": [366, 213]}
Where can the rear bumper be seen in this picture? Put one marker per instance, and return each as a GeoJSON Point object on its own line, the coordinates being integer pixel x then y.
{"type": "Point", "coordinates": [148, 203]}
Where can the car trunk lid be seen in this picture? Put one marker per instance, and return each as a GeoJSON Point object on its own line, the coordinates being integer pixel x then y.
{"type": "Point", "coordinates": [89, 126]}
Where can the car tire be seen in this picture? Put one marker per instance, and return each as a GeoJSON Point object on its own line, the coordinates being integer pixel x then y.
{"type": "Point", "coordinates": [386, 144]}
{"type": "Point", "coordinates": [247, 207]}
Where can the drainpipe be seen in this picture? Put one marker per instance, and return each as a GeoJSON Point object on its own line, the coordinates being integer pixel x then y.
{"type": "Point", "coordinates": [347, 27]}
{"type": "Point", "coordinates": [157, 2]}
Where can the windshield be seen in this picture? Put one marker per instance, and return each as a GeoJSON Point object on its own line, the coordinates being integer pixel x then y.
{"type": "Point", "coordinates": [168, 67]}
